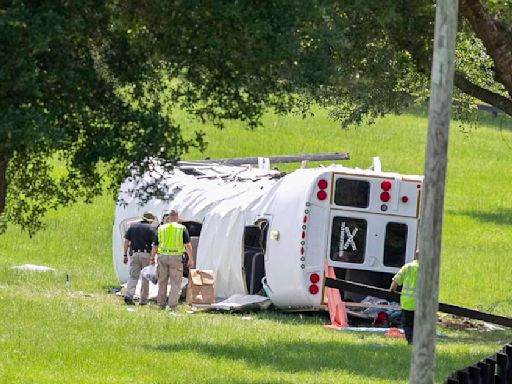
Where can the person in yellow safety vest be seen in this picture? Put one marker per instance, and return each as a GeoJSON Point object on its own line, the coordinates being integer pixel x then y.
{"type": "Point", "coordinates": [172, 240]}
{"type": "Point", "coordinates": [406, 277]}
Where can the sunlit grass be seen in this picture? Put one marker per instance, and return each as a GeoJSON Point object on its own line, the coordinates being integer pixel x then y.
{"type": "Point", "coordinates": [52, 334]}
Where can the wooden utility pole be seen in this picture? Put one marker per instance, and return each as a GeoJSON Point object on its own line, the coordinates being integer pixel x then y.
{"type": "Point", "coordinates": [439, 114]}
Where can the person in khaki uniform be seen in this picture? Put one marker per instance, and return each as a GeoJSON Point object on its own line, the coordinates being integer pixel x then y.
{"type": "Point", "coordinates": [139, 238]}
{"type": "Point", "coordinates": [171, 242]}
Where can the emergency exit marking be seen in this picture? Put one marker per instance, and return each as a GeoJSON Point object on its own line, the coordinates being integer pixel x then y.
{"type": "Point", "coordinates": [350, 238]}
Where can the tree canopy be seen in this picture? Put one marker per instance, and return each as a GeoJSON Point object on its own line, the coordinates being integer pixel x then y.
{"type": "Point", "coordinates": [91, 85]}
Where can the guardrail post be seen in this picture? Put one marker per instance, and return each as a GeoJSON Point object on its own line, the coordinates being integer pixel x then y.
{"type": "Point", "coordinates": [463, 376]}
{"type": "Point", "coordinates": [502, 362]}
{"type": "Point", "coordinates": [492, 365]}
{"type": "Point", "coordinates": [485, 370]}
{"type": "Point", "coordinates": [508, 350]}
{"type": "Point", "coordinates": [475, 374]}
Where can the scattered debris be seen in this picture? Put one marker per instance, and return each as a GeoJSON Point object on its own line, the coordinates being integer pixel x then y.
{"type": "Point", "coordinates": [464, 323]}
{"type": "Point", "coordinates": [247, 318]}
{"type": "Point", "coordinates": [149, 273]}
{"type": "Point", "coordinates": [242, 302]}
{"type": "Point", "coordinates": [493, 327]}
{"type": "Point", "coordinates": [395, 332]}
{"type": "Point", "coordinates": [33, 268]}
{"type": "Point", "coordinates": [3, 286]}
{"type": "Point", "coordinates": [130, 309]}
{"type": "Point", "coordinates": [114, 290]}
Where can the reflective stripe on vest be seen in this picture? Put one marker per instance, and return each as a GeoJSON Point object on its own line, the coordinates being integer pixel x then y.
{"type": "Point", "coordinates": [170, 239]}
{"type": "Point", "coordinates": [408, 296]}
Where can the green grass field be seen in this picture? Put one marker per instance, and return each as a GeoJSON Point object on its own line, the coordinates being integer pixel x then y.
{"type": "Point", "coordinates": [52, 334]}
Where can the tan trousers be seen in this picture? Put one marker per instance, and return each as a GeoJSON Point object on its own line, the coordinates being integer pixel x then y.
{"type": "Point", "coordinates": [169, 267]}
{"type": "Point", "coordinates": [138, 261]}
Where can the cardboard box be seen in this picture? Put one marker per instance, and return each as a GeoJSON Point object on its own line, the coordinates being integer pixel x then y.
{"type": "Point", "coordinates": [200, 288]}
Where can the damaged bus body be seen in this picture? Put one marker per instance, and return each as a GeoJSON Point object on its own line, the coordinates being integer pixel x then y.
{"type": "Point", "coordinates": [262, 231]}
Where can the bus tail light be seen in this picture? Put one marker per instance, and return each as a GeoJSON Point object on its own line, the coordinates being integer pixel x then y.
{"type": "Point", "coordinates": [314, 278]}
{"type": "Point", "coordinates": [385, 196]}
{"type": "Point", "coordinates": [322, 185]}
{"type": "Point", "coordinates": [385, 185]}
{"type": "Point", "coordinates": [321, 195]}
{"type": "Point", "coordinates": [313, 289]}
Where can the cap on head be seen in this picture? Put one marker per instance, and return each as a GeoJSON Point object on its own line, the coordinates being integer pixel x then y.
{"type": "Point", "coordinates": [171, 212]}
{"type": "Point", "coordinates": [148, 216]}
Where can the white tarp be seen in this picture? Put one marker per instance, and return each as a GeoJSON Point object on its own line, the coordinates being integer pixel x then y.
{"type": "Point", "coordinates": [237, 302]}
{"type": "Point", "coordinates": [223, 198]}
{"type": "Point", "coordinates": [33, 268]}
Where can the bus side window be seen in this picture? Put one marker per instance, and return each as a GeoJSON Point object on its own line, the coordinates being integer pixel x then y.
{"type": "Point", "coordinates": [395, 244]}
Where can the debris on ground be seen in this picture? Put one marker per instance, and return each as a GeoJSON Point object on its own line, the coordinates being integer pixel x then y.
{"type": "Point", "coordinates": [465, 324]}
{"type": "Point", "coordinates": [33, 268]}
{"type": "Point", "coordinates": [114, 290]}
{"type": "Point", "coordinates": [242, 302]}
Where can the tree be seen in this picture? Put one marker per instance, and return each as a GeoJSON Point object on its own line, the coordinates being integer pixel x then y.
{"type": "Point", "coordinates": [92, 85]}
{"type": "Point", "coordinates": [362, 58]}
{"type": "Point", "coordinates": [62, 67]}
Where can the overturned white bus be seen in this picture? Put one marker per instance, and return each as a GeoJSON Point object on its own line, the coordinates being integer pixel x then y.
{"type": "Point", "coordinates": [261, 230]}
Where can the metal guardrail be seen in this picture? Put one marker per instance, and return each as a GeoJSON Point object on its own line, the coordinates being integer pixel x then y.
{"type": "Point", "coordinates": [275, 159]}
{"type": "Point", "coordinates": [495, 369]}
{"type": "Point", "coordinates": [351, 286]}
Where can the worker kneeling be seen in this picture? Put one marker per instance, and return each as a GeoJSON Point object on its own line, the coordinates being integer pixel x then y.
{"type": "Point", "coordinates": [406, 277]}
{"type": "Point", "coordinates": [172, 241]}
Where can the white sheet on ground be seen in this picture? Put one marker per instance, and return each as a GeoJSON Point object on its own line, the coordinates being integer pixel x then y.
{"type": "Point", "coordinates": [242, 301]}
{"type": "Point", "coordinates": [34, 268]}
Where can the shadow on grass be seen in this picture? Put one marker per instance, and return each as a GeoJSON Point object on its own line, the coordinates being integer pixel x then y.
{"type": "Point", "coordinates": [501, 217]}
{"type": "Point", "coordinates": [281, 317]}
{"type": "Point", "coordinates": [477, 337]}
{"type": "Point", "coordinates": [500, 121]}
{"type": "Point", "coordinates": [381, 361]}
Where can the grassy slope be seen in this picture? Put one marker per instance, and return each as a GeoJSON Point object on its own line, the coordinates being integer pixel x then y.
{"type": "Point", "coordinates": [51, 334]}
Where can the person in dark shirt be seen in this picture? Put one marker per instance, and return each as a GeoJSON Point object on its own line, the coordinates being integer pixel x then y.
{"type": "Point", "coordinates": [139, 238]}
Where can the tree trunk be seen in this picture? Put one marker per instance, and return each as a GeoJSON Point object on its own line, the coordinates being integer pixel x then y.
{"type": "Point", "coordinates": [4, 160]}
{"type": "Point", "coordinates": [496, 37]}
